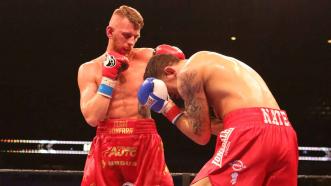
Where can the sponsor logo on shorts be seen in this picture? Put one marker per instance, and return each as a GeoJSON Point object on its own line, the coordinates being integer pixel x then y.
{"type": "Point", "coordinates": [275, 117]}
{"type": "Point", "coordinates": [120, 163]}
{"type": "Point", "coordinates": [120, 151]}
{"type": "Point", "coordinates": [224, 136]}
{"type": "Point", "coordinates": [128, 184]}
{"type": "Point", "coordinates": [237, 166]}
{"type": "Point", "coordinates": [234, 177]}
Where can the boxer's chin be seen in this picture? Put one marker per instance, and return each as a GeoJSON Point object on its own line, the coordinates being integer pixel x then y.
{"type": "Point", "coordinates": [124, 51]}
{"type": "Point", "coordinates": [127, 50]}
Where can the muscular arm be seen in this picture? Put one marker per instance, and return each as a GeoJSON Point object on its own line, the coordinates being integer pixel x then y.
{"type": "Point", "coordinates": [144, 111]}
{"type": "Point", "coordinates": [93, 106]}
{"type": "Point", "coordinates": [216, 126]}
{"type": "Point", "coordinates": [216, 123]}
{"type": "Point", "coordinates": [195, 122]}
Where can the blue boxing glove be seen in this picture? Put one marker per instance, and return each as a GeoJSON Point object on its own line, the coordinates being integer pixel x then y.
{"type": "Point", "coordinates": [153, 94]}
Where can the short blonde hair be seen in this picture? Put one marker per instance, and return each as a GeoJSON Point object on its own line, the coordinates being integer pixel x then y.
{"type": "Point", "coordinates": [132, 14]}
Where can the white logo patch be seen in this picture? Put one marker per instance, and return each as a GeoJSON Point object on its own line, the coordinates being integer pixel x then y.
{"type": "Point", "coordinates": [224, 136]}
{"type": "Point", "coordinates": [237, 165]}
{"type": "Point", "coordinates": [110, 61]}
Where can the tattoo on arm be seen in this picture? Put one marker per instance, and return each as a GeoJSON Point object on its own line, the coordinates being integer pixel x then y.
{"type": "Point", "coordinates": [144, 111]}
{"type": "Point", "coordinates": [189, 89]}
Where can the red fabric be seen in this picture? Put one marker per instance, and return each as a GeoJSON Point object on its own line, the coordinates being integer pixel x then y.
{"type": "Point", "coordinates": [114, 63]}
{"type": "Point", "coordinates": [258, 146]}
{"type": "Point", "coordinates": [126, 151]}
{"type": "Point", "coordinates": [173, 114]}
{"type": "Point", "coordinates": [168, 49]}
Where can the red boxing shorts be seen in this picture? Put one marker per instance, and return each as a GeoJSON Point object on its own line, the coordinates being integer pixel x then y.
{"type": "Point", "coordinates": [258, 146]}
{"type": "Point", "coordinates": [126, 152]}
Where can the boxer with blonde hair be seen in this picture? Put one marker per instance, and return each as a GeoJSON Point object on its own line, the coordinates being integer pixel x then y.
{"type": "Point", "coordinates": [127, 149]}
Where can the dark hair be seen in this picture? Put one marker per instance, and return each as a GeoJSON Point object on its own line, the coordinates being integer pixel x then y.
{"type": "Point", "coordinates": [157, 64]}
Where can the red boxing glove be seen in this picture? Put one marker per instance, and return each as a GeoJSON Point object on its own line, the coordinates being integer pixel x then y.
{"type": "Point", "coordinates": [168, 49]}
{"type": "Point", "coordinates": [114, 64]}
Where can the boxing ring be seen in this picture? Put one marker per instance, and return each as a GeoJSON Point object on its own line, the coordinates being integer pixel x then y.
{"type": "Point", "coordinates": [317, 155]}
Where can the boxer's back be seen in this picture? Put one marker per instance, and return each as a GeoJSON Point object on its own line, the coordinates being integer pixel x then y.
{"type": "Point", "coordinates": [230, 84]}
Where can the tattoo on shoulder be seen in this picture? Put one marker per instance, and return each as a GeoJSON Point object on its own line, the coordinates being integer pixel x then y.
{"type": "Point", "coordinates": [190, 87]}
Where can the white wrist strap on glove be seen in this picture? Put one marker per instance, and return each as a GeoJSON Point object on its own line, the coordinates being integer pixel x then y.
{"type": "Point", "coordinates": [172, 112]}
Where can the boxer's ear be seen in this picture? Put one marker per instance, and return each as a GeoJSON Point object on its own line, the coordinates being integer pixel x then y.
{"type": "Point", "coordinates": [170, 72]}
{"type": "Point", "coordinates": [109, 31]}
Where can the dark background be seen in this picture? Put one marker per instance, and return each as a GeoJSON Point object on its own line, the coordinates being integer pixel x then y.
{"type": "Point", "coordinates": [43, 42]}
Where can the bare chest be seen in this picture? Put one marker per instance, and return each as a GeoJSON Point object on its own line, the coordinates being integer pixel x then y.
{"type": "Point", "coordinates": [131, 79]}
{"type": "Point", "coordinates": [128, 81]}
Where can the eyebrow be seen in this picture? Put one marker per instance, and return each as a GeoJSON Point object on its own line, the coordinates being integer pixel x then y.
{"type": "Point", "coordinates": [129, 33]}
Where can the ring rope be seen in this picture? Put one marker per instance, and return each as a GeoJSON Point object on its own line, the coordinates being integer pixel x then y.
{"type": "Point", "coordinates": [83, 147]}
{"type": "Point", "coordinates": [79, 172]}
